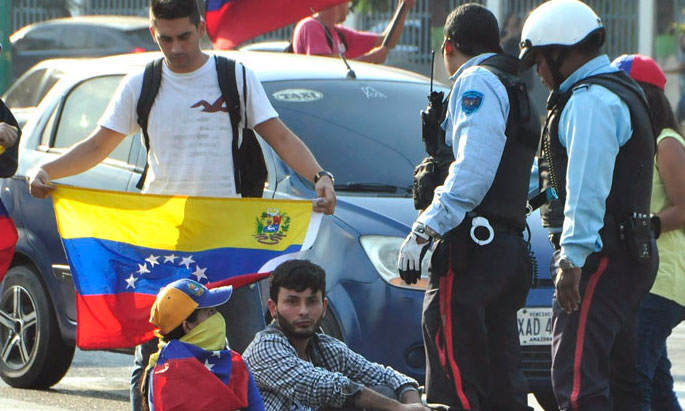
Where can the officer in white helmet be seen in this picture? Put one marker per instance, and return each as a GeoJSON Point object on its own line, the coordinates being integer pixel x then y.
{"type": "Point", "coordinates": [598, 151]}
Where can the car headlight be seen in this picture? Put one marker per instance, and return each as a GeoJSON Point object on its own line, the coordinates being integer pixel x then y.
{"type": "Point", "coordinates": [383, 251]}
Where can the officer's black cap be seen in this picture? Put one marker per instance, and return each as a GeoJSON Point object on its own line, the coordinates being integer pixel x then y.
{"type": "Point", "coordinates": [473, 29]}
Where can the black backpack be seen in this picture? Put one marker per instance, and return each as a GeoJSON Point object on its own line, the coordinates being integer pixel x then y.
{"type": "Point", "coordinates": [249, 168]}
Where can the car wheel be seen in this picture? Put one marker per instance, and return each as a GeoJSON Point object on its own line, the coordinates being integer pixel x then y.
{"type": "Point", "coordinates": [545, 397]}
{"type": "Point", "coordinates": [32, 351]}
{"type": "Point", "coordinates": [330, 326]}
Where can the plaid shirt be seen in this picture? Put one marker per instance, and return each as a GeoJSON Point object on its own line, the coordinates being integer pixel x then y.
{"type": "Point", "coordinates": [335, 373]}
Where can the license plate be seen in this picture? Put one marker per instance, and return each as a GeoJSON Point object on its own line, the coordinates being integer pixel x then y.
{"type": "Point", "coordinates": [535, 326]}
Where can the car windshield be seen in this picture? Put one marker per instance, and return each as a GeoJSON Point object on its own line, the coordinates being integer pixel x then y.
{"type": "Point", "coordinates": [367, 133]}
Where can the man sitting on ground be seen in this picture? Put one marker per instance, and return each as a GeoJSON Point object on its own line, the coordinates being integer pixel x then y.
{"type": "Point", "coordinates": [296, 368]}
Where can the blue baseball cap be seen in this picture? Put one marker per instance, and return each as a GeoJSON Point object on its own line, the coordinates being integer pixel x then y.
{"type": "Point", "coordinates": [176, 301]}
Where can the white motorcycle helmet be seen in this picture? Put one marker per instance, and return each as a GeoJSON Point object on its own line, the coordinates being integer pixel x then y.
{"type": "Point", "coordinates": [558, 23]}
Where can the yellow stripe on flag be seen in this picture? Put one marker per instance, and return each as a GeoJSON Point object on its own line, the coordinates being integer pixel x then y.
{"type": "Point", "coordinates": [178, 222]}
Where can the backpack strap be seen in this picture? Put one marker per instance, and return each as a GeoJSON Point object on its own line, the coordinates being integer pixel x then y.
{"type": "Point", "coordinates": [225, 69]}
{"type": "Point", "coordinates": [152, 78]}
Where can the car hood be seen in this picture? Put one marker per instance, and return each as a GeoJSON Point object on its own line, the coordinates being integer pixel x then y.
{"type": "Point", "coordinates": [376, 215]}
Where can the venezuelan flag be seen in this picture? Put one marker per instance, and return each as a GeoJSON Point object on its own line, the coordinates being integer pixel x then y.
{"type": "Point", "coordinates": [8, 240]}
{"type": "Point", "coordinates": [187, 377]}
{"type": "Point", "coordinates": [123, 247]}
{"type": "Point", "coordinates": [231, 22]}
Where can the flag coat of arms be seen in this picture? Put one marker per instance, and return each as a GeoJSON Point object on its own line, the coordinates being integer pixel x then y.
{"type": "Point", "coordinates": [187, 377]}
{"type": "Point", "coordinates": [123, 247]}
{"type": "Point", "coordinates": [231, 22]}
{"type": "Point", "coordinates": [8, 240]}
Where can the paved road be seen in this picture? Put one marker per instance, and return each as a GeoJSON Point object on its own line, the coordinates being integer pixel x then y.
{"type": "Point", "coordinates": [99, 381]}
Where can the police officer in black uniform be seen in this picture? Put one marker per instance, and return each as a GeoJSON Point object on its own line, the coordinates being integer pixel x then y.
{"type": "Point", "coordinates": [598, 151]}
{"type": "Point", "coordinates": [480, 268]}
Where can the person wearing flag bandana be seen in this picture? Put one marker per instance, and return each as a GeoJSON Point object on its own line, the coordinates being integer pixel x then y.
{"type": "Point", "coordinates": [193, 368]}
{"type": "Point", "coordinates": [480, 268]}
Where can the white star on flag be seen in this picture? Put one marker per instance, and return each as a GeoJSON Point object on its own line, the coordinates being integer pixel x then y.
{"type": "Point", "coordinates": [187, 261]}
{"type": "Point", "coordinates": [152, 259]}
{"type": "Point", "coordinates": [216, 354]}
{"type": "Point", "coordinates": [142, 269]}
{"type": "Point", "coordinates": [131, 282]}
{"type": "Point", "coordinates": [209, 365]}
{"type": "Point", "coordinates": [200, 273]}
{"type": "Point", "coordinates": [170, 258]}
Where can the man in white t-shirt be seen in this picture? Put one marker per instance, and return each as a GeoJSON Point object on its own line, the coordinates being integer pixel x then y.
{"type": "Point", "coordinates": [190, 133]}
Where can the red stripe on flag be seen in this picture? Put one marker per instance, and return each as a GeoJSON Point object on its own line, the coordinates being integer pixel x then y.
{"type": "Point", "coordinates": [240, 20]}
{"type": "Point", "coordinates": [114, 320]}
{"type": "Point", "coordinates": [239, 280]}
{"type": "Point", "coordinates": [186, 384]}
{"type": "Point", "coordinates": [582, 322]}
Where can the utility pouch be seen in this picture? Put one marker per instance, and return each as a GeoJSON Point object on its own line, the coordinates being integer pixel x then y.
{"type": "Point", "coordinates": [429, 174]}
{"type": "Point", "coordinates": [636, 233]}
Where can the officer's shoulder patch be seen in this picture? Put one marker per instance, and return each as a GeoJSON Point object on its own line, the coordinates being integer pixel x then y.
{"type": "Point", "coordinates": [471, 101]}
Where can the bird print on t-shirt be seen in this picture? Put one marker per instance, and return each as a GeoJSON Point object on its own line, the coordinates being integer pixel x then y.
{"type": "Point", "coordinates": [215, 107]}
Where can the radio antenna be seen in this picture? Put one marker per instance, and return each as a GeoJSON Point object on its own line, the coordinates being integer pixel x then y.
{"type": "Point", "coordinates": [432, 67]}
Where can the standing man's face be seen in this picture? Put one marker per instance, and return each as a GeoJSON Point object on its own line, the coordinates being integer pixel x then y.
{"type": "Point", "coordinates": [299, 314]}
{"type": "Point", "coordinates": [179, 41]}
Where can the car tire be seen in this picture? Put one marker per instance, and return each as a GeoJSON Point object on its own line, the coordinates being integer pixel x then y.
{"type": "Point", "coordinates": [330, 326]}
{"type": "Point", "coordinates": [32, 351]}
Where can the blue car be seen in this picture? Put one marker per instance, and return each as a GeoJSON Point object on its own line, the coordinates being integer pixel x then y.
{"type": "Point", "coordinates": [366, 131]}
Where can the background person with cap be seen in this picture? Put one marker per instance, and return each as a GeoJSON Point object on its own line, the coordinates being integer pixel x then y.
{"type": "Point", "coordinates": [480, 268]}
{"type": "Point", "coordinates": [598, 151]}
{"type": "Point", "coordinates": [664, 307]}
{"type": "Point", "coordinates": [194, 369]}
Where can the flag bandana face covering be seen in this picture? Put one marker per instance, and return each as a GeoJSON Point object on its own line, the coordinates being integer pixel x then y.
{"type": "Point", "coordinates": [209, 335]}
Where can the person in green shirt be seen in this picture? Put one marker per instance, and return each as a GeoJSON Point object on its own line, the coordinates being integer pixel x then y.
{"type": "Point", "coordinates": [664, 307]}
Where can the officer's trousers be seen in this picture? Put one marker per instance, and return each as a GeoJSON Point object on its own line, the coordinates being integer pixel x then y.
{"type": "Point", "coordinates": [594, 349]}
{"type": "Point", "coordinates": [469, 322]}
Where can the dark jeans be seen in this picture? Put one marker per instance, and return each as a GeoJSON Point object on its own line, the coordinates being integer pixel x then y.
{"type": "Point", "coordinates": [656, 319]}
{"type": "Point", "coordinates": [244, 316]}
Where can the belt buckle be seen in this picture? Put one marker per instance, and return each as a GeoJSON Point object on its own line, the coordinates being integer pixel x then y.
{"type": "Point", "coordinates": [481, 222]}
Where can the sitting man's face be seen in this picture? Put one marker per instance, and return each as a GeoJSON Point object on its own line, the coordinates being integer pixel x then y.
{"type": "Point", "coordinates": [299, 313]}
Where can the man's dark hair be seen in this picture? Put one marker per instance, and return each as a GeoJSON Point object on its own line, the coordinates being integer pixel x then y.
{"type": "Point", "coordinates": [297, 275]}
{"type": "Point", "coordinates": [660, 108]}
{"type": "Point", "coordinates": [175, 9]}
{"type": "Point", "coordinates": [473, 30]}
